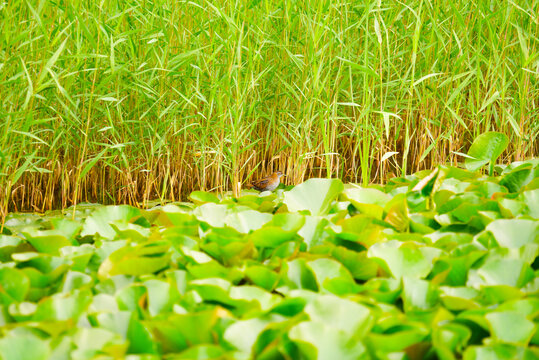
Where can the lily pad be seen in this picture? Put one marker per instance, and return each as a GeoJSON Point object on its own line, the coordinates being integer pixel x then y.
{"type": "Point", "coordinates": [314, 196]}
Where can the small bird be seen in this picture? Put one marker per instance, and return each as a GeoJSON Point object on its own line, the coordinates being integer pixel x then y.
{"type": "Point", "coordinates": [269, 183]}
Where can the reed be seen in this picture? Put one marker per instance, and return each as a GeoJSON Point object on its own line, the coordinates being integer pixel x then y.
{"type": "Point", "coordinates": [130, 100]}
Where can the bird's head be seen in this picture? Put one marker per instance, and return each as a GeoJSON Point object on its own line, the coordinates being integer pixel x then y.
{"type": "Point", "coordinates": [278, 174]}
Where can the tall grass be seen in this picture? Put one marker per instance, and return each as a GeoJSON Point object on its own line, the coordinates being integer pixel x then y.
{"type": "Point", "coordinates": [126, 100]}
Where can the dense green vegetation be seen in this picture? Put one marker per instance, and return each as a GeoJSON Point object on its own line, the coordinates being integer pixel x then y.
{"type": "Point", "coordinates": [124, 101]}
{"type": "Point", "coordinates": [441, 264]}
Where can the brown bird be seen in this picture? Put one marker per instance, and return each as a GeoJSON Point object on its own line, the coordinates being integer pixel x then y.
{"type": "Point", "coordinates": [269, 183]}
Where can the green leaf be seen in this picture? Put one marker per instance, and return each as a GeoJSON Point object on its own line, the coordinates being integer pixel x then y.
{"type": "Point", "coordinates": [317, 340]}
{"type": "Point", "coordinates": [202, 352]}
{"type": "Point", "coordinates": [212, 214]}
{"type": "Point", "coordinates": [14, 285]}
{"type": "Point", "coordinates": [99, 221]}
{"type": "Point", "coordinates": [24, 347]}
{"type": "Point", "coordinates": [271, 237]}
{"type": "Point", "coordinates": [136, 260]}
{"type": "Point", "coordinates": [247, 221]}
{"type": "Point", "coordinates": [243, 334]}
{"type": "Point", "coordinates": [499, 352]}
{"type": "Point", "coordinates": [418, 294]}
{"type": "Point", "coordinates": [344, 315]}
{"type": "Point", "coordinates": [363, 229]}
{"type": "Point", "coordinates": [486, 148]}
{"type": "Point", "coordinates": [450, 339]}
{"type": "Point", "coordinates": [517, 179]}
{"type": "Point", "coordinates": [511, 327]}
{"type": "Point", "coordinates": [402, 259]}
{"type": "Point", "coordinates": [63, 306]}
{"type": "Point", "coordinates": [531, 199]}
{"type": "Point", "coordinates": [314, 195]}
{"type": "Point", "coordinates": [514, 233]}
{"type": "Point", "coordinates": [326, 270]}
{"type": "Point", "coordinates": [202, 197]}
{"type": "Point", "coordinates": [48, 244]}
{"type": "Point", "coordinates": [176, 332]}
{"type": "Point", "coordinates": [511, 272]}
{"type": "Point", "coordinates": [262, 276]}
{"type": "Point", "coordinates": [91, 342]}
{"type": "Point", "coordinates": [398, 337]}
{"type": "Point", "coordinates": [368, 201]}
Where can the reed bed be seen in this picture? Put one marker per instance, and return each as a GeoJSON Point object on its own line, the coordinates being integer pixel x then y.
{"type": "Point", "coordinates": [125, 101]}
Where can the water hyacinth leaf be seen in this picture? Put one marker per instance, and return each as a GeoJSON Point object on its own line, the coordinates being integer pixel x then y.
{"type": "Point", "coordinates": [459, 298]}
{"type": "Point", "coordinates": [450, 339]}
{"type": "Point", "coordinates": [486, 148]}
{"type": "Point", "coordinates": [396, 213]}
{"type": "Point", "coordinates": [519, 178]}
{"type": "Point", "coordinates": [93, 341]}
{"type": "Point", "coordinates": [99, 221]}
{"type": "Point", "coordinates": [301, 275]}
{"type": "Point", "coordinates": [176, 332]}
{"type": "Point", "coordinates": [202, 352]}
{"type": "Point", "coordinates": [212, 214]}
{"type": "Point", "coordinates": [363, 228]}
{"type": "Point", "coordinates": [418, 295]}
{"type": "Point", "coordinates": [426, 185]}
{"type": "Point", "coordinates": [318, 341]}
{"type": "Point", "coordinates": [366, 200]}
{"type": "Point", "coordinates": [247, 221]}
{"type": "Point", "coordinates": [66, 227]}
{"type": "Point", "coordinates": [511, 208]}
{"type": "Point", "coordinates": [500, 352]}
{"type": "Point", "coordinates": [47, 244]}
{"type": "Point", "coordinates": [527, 307]}
{"type": "Point", "coordinates": [253, 294]}
{"type": "Point", "coordinates": [314, 195]}
{"type": "Point", "coordinates": [161, 296]}
{"type": "Point", "coordinates": [24, 347]}
{"type": "Point", "coordinates": [531, 199]}
{"type": "Point", "coordinates": [80, 255]}
{"type": "Point", "coordinates": [511, 272]}
{"type": "Point", "coordinates": [271, 237]}
{"type": "Point", "coordinates": [262, 276]}
{"type": "Point", "coordinates": [130, 231]}
{"type": "Point", "coordinates": [313, 231]}
{"type": "Point", "coordinates": [386, 290]}
{"type": "Point", "coordinates": [243, 334]}
{"type": "Point", "coordinates": [326, 270]}
{"type": "Point", "coordinates": [397, 338]}
{"type": "Point", "coordinates": [511, 327]}
{"type": "Point", "coordinates": [14, 285]}
{"type": "Point", "coordinates": [214, 289]}
{"type": "Point", "coordinates": [76, 280]}
{"type": "Point", "coordinates": [130, 297]}
{"type": "Point", "coordinates": [63, 306]}
{"type": "Point", "coordinates": [8, 245]}
{"type": "Point", "coordinates": [404, 259]}
{"type": "Point", "coordinates": [128, 326]}
{"type": "Point", "coordinates": [287, 221]}
{"type": "Point", "coordinates": [213, 269]}
{"type": "Point", "coordinates": [360, 266]}
{"type": "Point", "coordinates": [202, 197]}
{"type": "Point", "coordinates": [136, 260]}
{"type": "Point", "coordinates": [514, 233]}
{"type": "Point", "coordinates": [345, 315]}
{"type": "Point", "coordinates": [187, 224]}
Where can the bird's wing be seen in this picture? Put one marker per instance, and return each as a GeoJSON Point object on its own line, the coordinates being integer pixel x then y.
{"type": "Point", "coordinates": [261, 182]}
